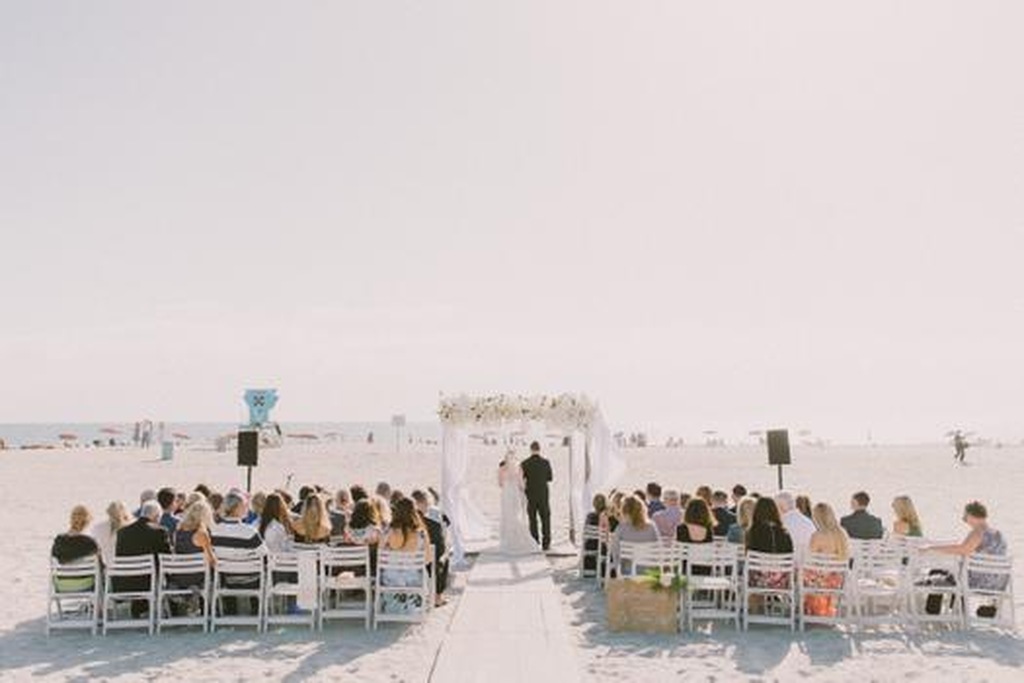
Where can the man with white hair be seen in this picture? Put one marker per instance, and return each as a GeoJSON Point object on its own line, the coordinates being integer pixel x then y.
{"type": "Point", "coordinates": [232, 536]}
{"type": "Point", "coordinates": [144, 536]}
{"type": "Point", "coordinates": [798, 526]}
{"type": "Point", "coordinates": [668, 519]}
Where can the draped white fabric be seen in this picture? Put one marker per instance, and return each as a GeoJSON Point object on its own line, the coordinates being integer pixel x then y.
{"type": "Point", "coordinates": [468, 522]}
{"type": "Point", "coordinates": [606, 464]}
{"type": "Point", "coordinates": [577, 481]}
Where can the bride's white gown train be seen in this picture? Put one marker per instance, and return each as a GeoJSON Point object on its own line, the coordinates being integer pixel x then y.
{"type": "Point", "coordinates": [515, 538]}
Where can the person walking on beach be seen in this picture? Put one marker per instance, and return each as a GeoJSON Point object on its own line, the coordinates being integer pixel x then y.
{"type": "Point", "coordinates": [959, 447]}
{"type": "Point", "coordinates": [537, 475]}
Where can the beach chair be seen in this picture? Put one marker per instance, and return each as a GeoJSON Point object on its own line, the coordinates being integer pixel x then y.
{"type": "Point", "coordinates": [934, 590]}
{"type": "Point", "coordinates": [880, 580]}
{"type": "Point", "coordinates": [129, 580]}
{"type": "Point", "coordinates": [238, 576]}
{"type": "Point", "coordinates": [183, 584]}
{"type": "Point", "coordinates": [828, 579]}
{"type": "Point", "coordinates": [770, 581]}
{"type": "Point", "coordinates": [74, 595]}
{"type": "Point", "coordinates": [345, 572]}
{"type": "Point", "coordinates": [287, 574]}
{"type": "Point", "coordinates": [988, 585]}
{"type": "Point", "coordinates": [713, 595]}
{"type": "Point", "coordinates": [590, 551]}
{"type": "Point", "coordinates": [402, 578]}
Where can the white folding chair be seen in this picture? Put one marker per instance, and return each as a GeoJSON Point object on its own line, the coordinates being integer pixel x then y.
{"type": "Point", "coordinates": [771, 581]}
{"type": "Point", "coordinates": [590, 551]}
{"type": "Point", "coordinates": [402, 577]}
{"type": "Point", "coordinates": [74, 595]}
{"type": "Point", "coordinates": [712, 583]}
{"type": "Point", "coordinates": [286, 573]}
{"type": "Point", "coordinates": [827, 578]}
{"type": "Point", "coordinates": [129, 580]}
{"type": "Point", "coordinates": [880, 583]}
{"type": "Point", "coordinates": [238, 576]}
{"type": "Point", "coordinates": [183, 581]}
{"type": "Point", "coordinates": [604, 544]}
{"type": "Point", "coordinates": [988, 584]}
{"type": "Point", "coordinates": [934, 590]}
{"type": "Point", "coordinates": [345, 571]}
{"type": "Point", "coordinates": [635, 559]}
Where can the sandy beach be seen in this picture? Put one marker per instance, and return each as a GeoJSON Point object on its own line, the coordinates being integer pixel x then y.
{"type": "Point", "coordinates": [41, 487]}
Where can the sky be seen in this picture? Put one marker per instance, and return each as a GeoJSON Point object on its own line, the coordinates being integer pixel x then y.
{"type": "Point", "coordinates": [722, 216]}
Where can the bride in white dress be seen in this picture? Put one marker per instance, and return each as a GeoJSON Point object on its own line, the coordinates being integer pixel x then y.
{"type": "Point", "coordinates": [515, 532]}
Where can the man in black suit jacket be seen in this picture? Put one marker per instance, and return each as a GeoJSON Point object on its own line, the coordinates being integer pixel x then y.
{"type": "Point", "coordinates": [861, 524]}
{"type": "Point", "coordinates": [537, 475]}
{"type": "Point", "coordinates": [144, 536]}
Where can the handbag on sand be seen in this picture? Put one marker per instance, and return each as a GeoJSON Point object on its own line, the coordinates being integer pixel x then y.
{"type": "Point", "coordinates": [937, 577]}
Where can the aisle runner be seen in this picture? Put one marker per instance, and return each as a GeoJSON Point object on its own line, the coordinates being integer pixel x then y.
{"type": "Point", "coordinates": [508, 627]}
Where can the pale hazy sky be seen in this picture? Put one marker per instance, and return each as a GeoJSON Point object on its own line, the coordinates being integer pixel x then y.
{"type": "Point", "coordinates": [705, 214]}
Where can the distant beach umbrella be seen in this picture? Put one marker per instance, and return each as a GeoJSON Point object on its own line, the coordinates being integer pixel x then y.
{"type": "Point", "coordinates": [181, 436]}
{"type": "Point", "coordinates": [68, 437]}
{"type": "Point", "coordinates": [304, 435]}
{"type": "Point", "coordinates": [110, 430]}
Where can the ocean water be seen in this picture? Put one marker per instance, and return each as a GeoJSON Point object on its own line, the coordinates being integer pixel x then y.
{"type": "Point", "coordinates": [202, 434]}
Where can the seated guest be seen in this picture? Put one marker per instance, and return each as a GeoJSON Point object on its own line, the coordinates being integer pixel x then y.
{"type": "Point", "coordinates": [828, 540]}
{"type": "Point", "coordinates": [634, 528]}
{"type": "Point", "coordinates": [193, 533]}
{"type": "Point", "coordinates": [358, 493]}
{"type": "Point", "coordinates": [231, 533]}
{"type": "Point", "coordinates": [383, 506]}
{"type": "Point", "coordinates": [803, 504]}
{"type": "Point", "coordinates": [105, 531]}
{"type": "Point", "coordinates": [259, 499]}
{"type": "Point", "coordinates": [697, 526]}
{"type": "Point", "coordinates": [744, 518]}
{"type": "Point", "coordinates": [168, 499]}
{"type": "Point", "coordinates": [384, 490]}
{"type": "Point", "coordinates": [435, 533]}
{"type": "Point", "coordinates": [799, 527]}
{"type": "Point", "coordinates": [144, 536]}
{"type": "Point", "coordinates": [906, 522]}
{"type": "Point", "coordinates": [724, 519]}
{"type": "Point", "coordinates": [232, 537]}
{"type": "Point", "coordinates": [407, 534]}
{"type": "Point", "coordinates": [364, 528]}
{"type": "Point", "coordinates": [216, 500]}
{"type": "Point", "coordinates": [598, 510]}
{"type": "Point", "coordinates": [739, 492]}
{"type": "Point", "coordinates": [861, 524]}
{"type": "Point", "coordinates": [304, 493]}
{"type": "Point", "coordinates": [144, 497]}
{"type": "Point", "coordinates": [75, 544]}
{"type": "Point", "coordinates": [598, 518]}
{"type": "Point", "coordinates": [615, 510]}
{"type": "Point", "coordinates": [768, 535]}
{"type": "Point", "coordinates": [276, 525]}
{"type": "Point", "coordinates": [983, 540]}
{"type": "Point", "coordinates": [654, 503]}
{"type": "Point", "coordinates": [203, 489]}
{"type": "Point", "coordinates": [340, 511]}
{"type": "Point", "coordinates": [704, 493]}
{"type": "Point", "coordinates": [669, 519]}
{"type": "Point", "coordinates": [315, 524]}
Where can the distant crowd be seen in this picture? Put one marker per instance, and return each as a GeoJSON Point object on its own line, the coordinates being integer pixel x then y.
{"type": "Point", "coordinates": [208, 522]}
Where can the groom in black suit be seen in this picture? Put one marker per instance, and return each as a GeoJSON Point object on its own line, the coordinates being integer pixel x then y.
{"type": "Point", "coordinates": [537, 475]}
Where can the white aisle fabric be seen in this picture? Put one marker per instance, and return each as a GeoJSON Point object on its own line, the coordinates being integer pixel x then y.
{"type": "Point", "coordinates": [606, 462]}
{"type": "Point", "coordinates": [468, 522]}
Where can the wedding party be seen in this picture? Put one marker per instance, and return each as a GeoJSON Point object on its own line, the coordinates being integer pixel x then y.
{"type": "Point", "coordinates": [462, 342]}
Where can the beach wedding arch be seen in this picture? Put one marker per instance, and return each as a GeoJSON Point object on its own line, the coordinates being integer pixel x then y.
{"type": "Point", "coordinates": [594, 460]}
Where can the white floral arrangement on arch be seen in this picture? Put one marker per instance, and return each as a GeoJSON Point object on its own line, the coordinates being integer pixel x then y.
{"type": "Point", "coordinates": [566, 411]}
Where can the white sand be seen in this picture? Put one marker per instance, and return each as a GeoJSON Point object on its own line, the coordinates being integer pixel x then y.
{"type": "Point", "coordinates": [40, 487]}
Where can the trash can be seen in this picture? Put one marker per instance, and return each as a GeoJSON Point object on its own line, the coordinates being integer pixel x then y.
{"type": "Point", "coordinates": [167, 450]}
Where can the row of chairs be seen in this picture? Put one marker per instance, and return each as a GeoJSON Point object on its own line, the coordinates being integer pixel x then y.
{"type": "Point", "coordinates": [184, 590]}
{"type": "Point", "coordinates": [885, 583]}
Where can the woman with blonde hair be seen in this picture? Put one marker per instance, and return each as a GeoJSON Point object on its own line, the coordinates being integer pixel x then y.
{"type": "Point", "coordinates": [75, 544]}
{"type": "Point", "coordinates": [635, 527]}
{"type": "Point", "coordinates": [907, 523]}
{"type": "Point", "coordinates": [829, 541]}
{"type": "Point", "coordinates": [193, 533]}
{"type": "Point", "coordinates": [105, 531]}
{"type": "Point", "coordinates": [315, 524]}
{"type": "Point", "coordinates": [744, 518]}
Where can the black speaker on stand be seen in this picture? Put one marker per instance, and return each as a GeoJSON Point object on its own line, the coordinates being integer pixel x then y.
{"type": "Point", "coordinates": [248, 454]}
{"type": "Point", "coordinates": [778, 450]}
